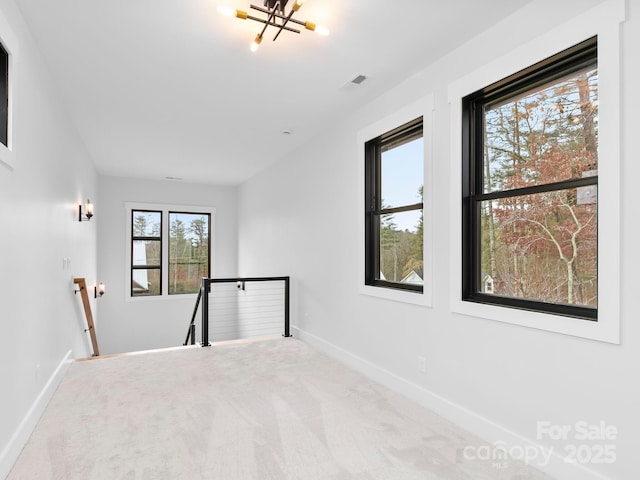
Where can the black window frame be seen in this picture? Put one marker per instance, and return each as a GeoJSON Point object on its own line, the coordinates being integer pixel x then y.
{"type": "Point", "coordinates": [4, 95]}
{"type": "Point", "coordinates": [373, 200]}
{"type": "Point", "coordinates": [553, 68]}
{"type": "Point", "coordinates": [134, 239]}
{"type": "Point", "coordinates": [183, 212]}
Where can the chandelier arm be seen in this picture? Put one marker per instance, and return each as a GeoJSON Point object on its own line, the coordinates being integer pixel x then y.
{"type": "Point", "coordinates": [282, 17]}
{"type": "Point", "coordinates": [298, 22]}
{"type": "Point", "coordinates": [283, 25]}
{"type": "Point", "coordinates": [261, 20]}
{"type": "Point", "coordinates": [268, 22]}
{"type": "Point", "coordinates": [269, 12]}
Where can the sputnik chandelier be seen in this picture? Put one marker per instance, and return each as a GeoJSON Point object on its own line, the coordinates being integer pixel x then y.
{"type": "Point", "coordinates": [276, 16]}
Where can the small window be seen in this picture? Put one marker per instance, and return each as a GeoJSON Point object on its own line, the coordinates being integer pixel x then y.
{"type": "Point", "coordinates": [146, 253]}
{"type": "Point", "coordinates": [9, 64]}
{"type": "Point", "coordinates": [4, 96]}
{"type": "Point", "coordinates": [530, 188]}
{"type": "Point", "coordinates": [188, 251]}
{"type": "Point", "coordinates": [394, 173]}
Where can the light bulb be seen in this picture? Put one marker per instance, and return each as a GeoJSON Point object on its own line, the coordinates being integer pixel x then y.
{"type": "Point", "coordinates": [256, 43]}
{"type": "Point", "coordinates": [226, 10]}
{"type": "Point", "coordinates": [98, 290]}
{"type": "Point", "coordinates": [297, 5]}
{"type": "Point", "coordinates": [320, 30]}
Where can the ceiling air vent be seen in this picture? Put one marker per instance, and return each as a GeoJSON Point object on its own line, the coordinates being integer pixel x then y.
{"type": "Point", "coordinates": [358, 80]}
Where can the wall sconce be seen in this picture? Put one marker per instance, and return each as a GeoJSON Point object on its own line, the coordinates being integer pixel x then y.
{"type": "Point", "coordinates": [88, 214]}
{"type": "Point", "coordinates": [98, 290]}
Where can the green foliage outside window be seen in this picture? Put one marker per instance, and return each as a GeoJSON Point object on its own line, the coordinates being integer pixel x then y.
{"type": "Point", "coordinates": [188, 251]}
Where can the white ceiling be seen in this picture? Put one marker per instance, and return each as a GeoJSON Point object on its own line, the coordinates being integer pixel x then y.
{"type": "Point", "coordinates": [161, 88]}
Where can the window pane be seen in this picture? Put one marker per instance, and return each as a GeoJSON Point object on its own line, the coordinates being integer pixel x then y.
{"type": "Point", "coordinates": [146, 252]}
{"type": "Point", "coordinates": [188, 251]}
{"type": "Point", "coordinates": [145, 281]}
{"type": "Point", "coordinates": [402, 174]}
{"type": "Point", "coordinates": [401, 237]}
{"type": "Point", "coordinates": [547, 135]}
{"type": "Point", "coordinates": [541, 247]}
{"type": "Point", "coordinates": [146, 224]}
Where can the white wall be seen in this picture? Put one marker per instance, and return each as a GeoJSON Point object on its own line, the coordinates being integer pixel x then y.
{"type": "Point", "coordinates": [41, 320]}
{"type": "Point", "coordinates": [299, 218]}
{"type": "Point", "coordinates": [155, 322]}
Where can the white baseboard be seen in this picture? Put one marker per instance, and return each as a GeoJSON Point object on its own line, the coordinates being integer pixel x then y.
{"type": "Point", "coordinates": [556, 466]}
{"type": "Point", "coordinates": [21, 436]}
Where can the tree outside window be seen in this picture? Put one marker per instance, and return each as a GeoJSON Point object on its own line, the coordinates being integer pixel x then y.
{"type": "Point", "coordinates": [146, 253]}
{"type": "Point", "coordinates": [169, 248]}
{"type": "Point", "coordinates": [394, 174]}
{"type": "Point", "coordinates": [532, 198]}
{"type": "Point", "coordinates": [188, 251]}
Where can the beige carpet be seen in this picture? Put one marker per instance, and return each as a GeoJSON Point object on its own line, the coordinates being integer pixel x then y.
{"type": "Point", "coordinates": [273, 409]}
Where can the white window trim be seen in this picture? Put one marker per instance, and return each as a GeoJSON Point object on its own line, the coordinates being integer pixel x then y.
{"type": "Point", "coordinates": [423, 107]}
{"type": "Point", "coordinates": [165, 209]}
{"type": "Point", "coordinates": [603, 21]}
{"type": "Point", "coordinates": [10, 44]}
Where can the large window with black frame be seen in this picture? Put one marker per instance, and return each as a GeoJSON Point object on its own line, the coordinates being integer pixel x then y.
{"type": "Point", "coordinates": [184, 249]}
{"type": "Point", "coordinates": [530, 187]}
{"type": "Point", "coordinates": [394, 176]}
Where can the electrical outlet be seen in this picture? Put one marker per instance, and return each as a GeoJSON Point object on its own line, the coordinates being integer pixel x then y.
{"type": "Point", "coordinates": [422, 364]}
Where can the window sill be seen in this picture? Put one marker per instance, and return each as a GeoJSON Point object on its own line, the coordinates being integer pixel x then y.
{"type": "Point", "coordinates": [149, 298]}
{"type": "Point", "coordinates": [404, 296]}
{"type": "Point", "coordinates": [606, 329]}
